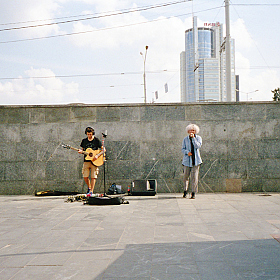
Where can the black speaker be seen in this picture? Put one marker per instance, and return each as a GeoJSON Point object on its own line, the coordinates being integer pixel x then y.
{"type": "Point", "coordinates": [144, 187]}
{"type": "Point", "coordinates": [104, 200]}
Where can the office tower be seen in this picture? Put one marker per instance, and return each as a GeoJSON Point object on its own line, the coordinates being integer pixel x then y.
{"type": "Point", "coordinates": [203, 64]}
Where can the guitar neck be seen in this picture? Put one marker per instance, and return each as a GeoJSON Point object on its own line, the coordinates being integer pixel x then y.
{"type": "Point", "coordinates": [72, 148]}
{"type": "Point", "coordinates": [75, 149]}
{"type": "Point", "coordinates": [84, 152]}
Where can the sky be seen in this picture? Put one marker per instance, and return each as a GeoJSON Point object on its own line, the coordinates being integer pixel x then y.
{"type": "Point", "coordinates": [88, 51]}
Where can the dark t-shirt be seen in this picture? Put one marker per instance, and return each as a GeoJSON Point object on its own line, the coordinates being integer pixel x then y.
{"type": "Point", "coordinates": [95, 144]}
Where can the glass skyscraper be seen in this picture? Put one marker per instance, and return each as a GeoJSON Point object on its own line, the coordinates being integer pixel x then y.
{"type": "Point", "coordinates": [202, 65]}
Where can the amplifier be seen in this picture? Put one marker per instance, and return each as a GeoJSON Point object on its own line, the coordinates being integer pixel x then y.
{"type": "Point", "coordinates": [144, 187]}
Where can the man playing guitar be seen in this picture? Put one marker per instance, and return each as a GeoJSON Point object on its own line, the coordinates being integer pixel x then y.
{"type": "Point", "coordinates": [88, 167]}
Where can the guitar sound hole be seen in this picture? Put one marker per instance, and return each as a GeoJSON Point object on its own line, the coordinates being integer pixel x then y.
{"type": "Point", "coordinates": [90, 154]}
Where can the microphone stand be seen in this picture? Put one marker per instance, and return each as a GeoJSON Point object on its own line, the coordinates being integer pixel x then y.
{"type": "Point", "coordinates": [104, 135]}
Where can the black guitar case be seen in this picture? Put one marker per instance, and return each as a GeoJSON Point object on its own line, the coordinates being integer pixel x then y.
{"type": "Point", "coordinates": [105, 200]}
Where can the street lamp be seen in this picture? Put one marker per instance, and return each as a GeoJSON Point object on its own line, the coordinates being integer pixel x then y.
{"type": "Point", "coordinates": [251, 92]}
{"type": "Point", "coordinates": [144, 75]}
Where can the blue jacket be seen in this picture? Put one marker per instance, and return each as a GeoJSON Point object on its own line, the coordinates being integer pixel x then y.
{"type": "Point", "coordinates": [186, 148]}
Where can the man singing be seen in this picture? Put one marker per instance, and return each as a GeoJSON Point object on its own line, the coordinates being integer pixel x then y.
{"type": "Point", "coordinates": [191, 159]}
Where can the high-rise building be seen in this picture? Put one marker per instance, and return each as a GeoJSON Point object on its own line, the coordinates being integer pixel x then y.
{"type": "Point", "coordinates": [203, 64]}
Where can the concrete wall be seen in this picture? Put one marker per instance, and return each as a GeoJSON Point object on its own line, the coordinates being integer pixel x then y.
{"type": "Point", "coordinates": [240, 150]}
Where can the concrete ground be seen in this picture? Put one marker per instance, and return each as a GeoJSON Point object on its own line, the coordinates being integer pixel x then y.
{"type": "Point", "coordinates": [215, 236]}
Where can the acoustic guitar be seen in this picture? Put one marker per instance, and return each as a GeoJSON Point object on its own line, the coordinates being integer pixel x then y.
{"type": "Point", "coordinates": [90, 154]}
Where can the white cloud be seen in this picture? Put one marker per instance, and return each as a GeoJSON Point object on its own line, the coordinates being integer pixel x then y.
{"type": "Point", "coordinates": [259, 86]}
{"type": "Point", "coordinates": [165, 37]}
{"type": "Point", "coordinates": [29, 12]}
{"type": "Point", "coordinates": [240, 33]}
{"type": "Point", "coordinates": [242, 65]}
{"type": "Point", "coordinates": [34, 90]}
{"type": "Point", "coordinates": [108, 5]}
{"type": "Point", "coordinates": [109, 32]}
{"type": "Point", "coordinates": [254, 85]}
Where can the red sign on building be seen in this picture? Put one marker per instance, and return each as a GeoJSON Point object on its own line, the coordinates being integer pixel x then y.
{"type": "Point", "coordinates": [211, 24]}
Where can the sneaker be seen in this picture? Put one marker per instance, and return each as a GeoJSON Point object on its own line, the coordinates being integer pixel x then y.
{"type": "Point", "coordinates": [89, 194]}
{"type": "Point", "coordinates": [88, 191]}
{"type": "Point", "coordinates": [185, 194]}
{"type": "Point", "coordinates": [193, 195]}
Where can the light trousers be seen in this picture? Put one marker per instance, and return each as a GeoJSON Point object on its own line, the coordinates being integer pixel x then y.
{"type": "Point", "coordinates": [191, 177]}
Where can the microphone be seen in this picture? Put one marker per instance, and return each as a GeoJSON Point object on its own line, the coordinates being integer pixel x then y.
{"type": "Point", "coordinates": [105, 133]}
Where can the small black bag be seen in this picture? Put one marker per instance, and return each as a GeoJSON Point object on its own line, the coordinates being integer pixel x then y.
{"type": "Point", "coordinates": [115, 189]}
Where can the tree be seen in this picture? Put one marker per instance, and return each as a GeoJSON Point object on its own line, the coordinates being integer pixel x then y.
{"type": "Point", "coordinates": [276, 93]}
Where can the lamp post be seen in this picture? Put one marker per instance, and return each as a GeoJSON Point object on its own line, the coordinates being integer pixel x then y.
{"type": "Point", "coordinates": [144, 74]}
{"type": "Point", "coordinates": [251, 92]}
{"type": "Point", "coordinates": [228, 53]}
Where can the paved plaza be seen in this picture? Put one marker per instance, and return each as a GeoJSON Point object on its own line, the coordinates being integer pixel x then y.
{"type": "Point", "coordinates": [215, 236]}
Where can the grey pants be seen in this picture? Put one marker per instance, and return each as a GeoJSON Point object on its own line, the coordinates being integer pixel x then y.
{"type": "Point", "coordinates": [191, 175]}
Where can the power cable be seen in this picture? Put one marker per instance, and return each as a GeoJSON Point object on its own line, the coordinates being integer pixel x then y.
{"type": "Point", "coordinates": [86, 75]}
{"type": "Point", "coordinates": [218, 13]}
{"type": "Point", "coordinates": [80, 88]}
{"type": "Point", "coordinates": [105, 28]}
{"type": "Point", "coordinates": [261, 4]}
{"type": "Point", "coordinates": [96, 17]}
{"type": "Point", "coordinates": [124, 73]}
